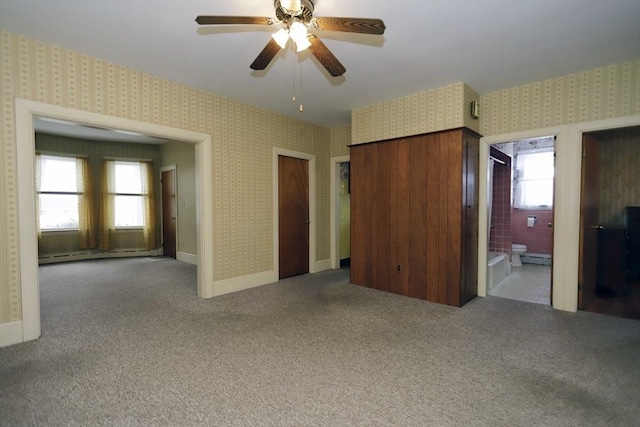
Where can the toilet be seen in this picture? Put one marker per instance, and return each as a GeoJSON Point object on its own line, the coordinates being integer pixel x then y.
{"type": "Point", "coordinates": [516, 252]}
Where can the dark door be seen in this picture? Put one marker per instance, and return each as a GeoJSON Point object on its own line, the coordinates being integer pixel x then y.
{"type": "Point", "coordinates": [293, 212]}
{"type": "Point", "coordinates": [169, 213]}
{"type": "Point", "coordinates": [589, 207]}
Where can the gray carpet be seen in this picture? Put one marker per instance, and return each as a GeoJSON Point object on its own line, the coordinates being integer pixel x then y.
{"type": "Point", "coordinates": [127, 342]}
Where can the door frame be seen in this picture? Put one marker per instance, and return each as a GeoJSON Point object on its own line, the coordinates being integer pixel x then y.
{"type": "Point", "coordinates": [566, 236]}
{"type": "Point", "coordinates": [485, 203]}
{"type": "Point", "coordinates": [27, 241]}
{"type": "Point", "coordinates": [334, 208]}
{"type": "Point", "coordinates": [175, 172]}
{"type": "Point", "coordinates": [311, 158]}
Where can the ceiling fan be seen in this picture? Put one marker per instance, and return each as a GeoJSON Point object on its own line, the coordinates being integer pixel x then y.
{"type": "Point", "coordinates": [296, 16]}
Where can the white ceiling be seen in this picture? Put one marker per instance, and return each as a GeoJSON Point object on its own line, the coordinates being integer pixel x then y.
{"type": "Point", "coordinates": [489, 44]}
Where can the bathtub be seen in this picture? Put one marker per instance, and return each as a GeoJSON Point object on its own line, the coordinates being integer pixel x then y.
{"type": "Point", "coordinates": [497, 269]}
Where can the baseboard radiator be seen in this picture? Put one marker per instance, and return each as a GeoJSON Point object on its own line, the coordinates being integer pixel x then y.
{"type": "Point", "coordinates": [94, 254]}
{"type": "Point", "coordinates": [540, 259]}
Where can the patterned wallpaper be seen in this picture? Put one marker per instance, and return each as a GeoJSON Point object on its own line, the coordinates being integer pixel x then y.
{"type": "Point", "coordinates": [340, 140]}
{"type": "Point", "coordinates": [602, 93]}
{"type": "Point", "coordinates": [243, 137]}
{"type": "Point", "coordinates": [423, 112]}
{"type": "Point", "coordinates": [619, 183]}
{"type": "Point", "coordinates": [183, 156]}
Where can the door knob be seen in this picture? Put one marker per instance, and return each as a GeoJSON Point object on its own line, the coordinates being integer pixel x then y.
{"type": "Point", "coordinates": [308, 222]}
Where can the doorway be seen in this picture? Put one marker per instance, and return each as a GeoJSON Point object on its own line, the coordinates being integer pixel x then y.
{"type": "Point", "coordinates": [609, 261]}
{"type": "Point", "coordinates": [30, 327]}
{"type": "Point", "coordinates": [521, 180]}
{"type": "Point", "coordinates": [340, 211]}
{"type": "Point", "coordinates": [169, 211]}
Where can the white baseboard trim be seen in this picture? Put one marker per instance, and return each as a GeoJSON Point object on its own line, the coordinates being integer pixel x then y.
{"type": "Point", "coordinates": [187, 257]}
{"type": "Point", "coordinates": [236, 284]}
{"type": "Point", "coordinates": [11, 333]}
{"type": "Point", "coordinates": [323, 265]}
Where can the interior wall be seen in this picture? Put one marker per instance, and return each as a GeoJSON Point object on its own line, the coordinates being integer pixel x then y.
{"type": "Point", "coordinates": [597, 94]}
{"type": "Point", "coordinates": [243, 138]}
{"type": "Point", "coordinates": [443, 108]}
{"type": "Point", "coordinates": [539, 238]}
{"type": "Point", "coordinates": [183, 156]}
{"type": "Point", "coordinates": [340, 140]}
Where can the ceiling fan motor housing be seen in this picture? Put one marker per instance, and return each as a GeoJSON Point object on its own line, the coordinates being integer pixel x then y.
{"type": "Point", "coordinates": [305, 14]}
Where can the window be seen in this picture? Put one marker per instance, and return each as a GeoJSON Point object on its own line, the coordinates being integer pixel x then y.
{"type": "Point", "coordinates": [57, 183]}
{"type": "Point", "coordinates": [128, 201]}
{"type": "Point", "coordinates": [534, 180]}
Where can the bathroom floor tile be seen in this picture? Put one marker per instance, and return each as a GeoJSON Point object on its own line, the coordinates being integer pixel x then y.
{"type": "Point", "coordinates": [530, 283]}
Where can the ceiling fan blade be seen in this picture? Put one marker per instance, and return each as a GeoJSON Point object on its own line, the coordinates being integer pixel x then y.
{"type": "Point", "coordinates": [326, 58]}
{"type": "Point", "coordinates": [234, 20]}
{"type": "Point", "coordinates": [350, 25]}
{"type": "Point", "coordinates": [266, 56]}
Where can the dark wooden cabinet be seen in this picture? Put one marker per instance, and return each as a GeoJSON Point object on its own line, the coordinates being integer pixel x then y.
{"type": "Point", "coordinates": [612, 254]}
{"type": "Point", "coordinates": [632, 224]}
{"type": "Point", "coordinates": [414, 216]}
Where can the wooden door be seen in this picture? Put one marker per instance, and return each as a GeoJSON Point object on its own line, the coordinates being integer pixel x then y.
{"type": "Point", "coordinates": [385, 216]}
{"type": "Point", "coordinates": [169, 213]}
{"type": "Point", "coordinates": [589, 208]}
{"type": "Point", "coordinates": [420, 227]}
{"type": "Point", "coordinates": [407, 217]}
{"type": "Point", "coordinates": [293, 213]}
{"type": "Point", "coordinates": [361, 214]}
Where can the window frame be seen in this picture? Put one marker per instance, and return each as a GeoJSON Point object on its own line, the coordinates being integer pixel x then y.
{"type": "Point", "coordinates": [77, 193]}
{"type": "Point", "coordinates": [117, 194]}
{"type": "Point", "coordinates": [518, 180]}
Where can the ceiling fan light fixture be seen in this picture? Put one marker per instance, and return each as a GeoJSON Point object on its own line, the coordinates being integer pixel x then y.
{"type": "Point", "coordinates": [298, 33]}
{"type": "Point", "coordinates": [281, 37]}
{"type": "Point", "coordinates": [302, 44]}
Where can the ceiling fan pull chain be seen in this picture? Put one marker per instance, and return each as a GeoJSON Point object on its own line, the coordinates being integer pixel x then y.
{"type": "Point", "coordinates": [293, 79]}
{"type": "Point", "coordinates": [301, 108]}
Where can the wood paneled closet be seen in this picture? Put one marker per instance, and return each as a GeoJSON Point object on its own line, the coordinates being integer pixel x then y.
{"type": "Point", "coordinates": [414, 216]}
